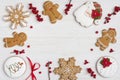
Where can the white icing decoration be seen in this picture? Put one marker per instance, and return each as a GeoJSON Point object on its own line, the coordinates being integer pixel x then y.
{"type": "Point", "coordinates": [19, 6]}
{"type": "Point", "coordinates": [9, 8]}
{"type": "Point", "coordinates": [107, 71]}
{"type": "Point", "coordinates": [23, 23]}
{"type": "Point", "coordinates": [13, 26]}
{"type": "Point", "coordinates": [83, 14]}
{"type": "Point", "coordinates": [14, 67]}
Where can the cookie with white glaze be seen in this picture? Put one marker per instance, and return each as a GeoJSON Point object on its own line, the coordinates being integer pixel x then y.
{"type": "Point", "coordinates": [14, 67]}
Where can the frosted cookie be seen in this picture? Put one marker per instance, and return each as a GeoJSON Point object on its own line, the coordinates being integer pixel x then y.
{"type": "Point", "coordinates": [14, 67]}
{"type": "Point", "coordinates": [16, 16]}
{"type": "Point", "coordinates": [88, 14]}
{"type": "Point", "coordinates": [108, 36]}
{"type": "Point", "coordinates": [67, 69]}
{"type": "Point", "coordinates": [107, 66]}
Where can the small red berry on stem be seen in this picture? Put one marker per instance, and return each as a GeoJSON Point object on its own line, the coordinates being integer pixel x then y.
{"type": "Point", "coordinates": [28, 46]}
{"type": "Point", "coordinates": [68, 6]}
{"type": "Point", "coordinates": [49, 68]}
{"type": "Point", "coordinates": [85, 62]}
{"type": "Point", "coordinates": [116, 10]}
{"type": "Point", "coordinates": [35, 11]}
{"type": "Point", "coordinates": [96, 32]}
{"type": "Point", "coordinates": [111, 50]}
{"type": "Point", "coordinates": [91, 49]}
{"type": "Point", "coordinates": [91, 72]}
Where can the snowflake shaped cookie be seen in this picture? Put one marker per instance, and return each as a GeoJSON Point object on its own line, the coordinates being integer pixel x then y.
{"type": "Point", "coordinates": [67, 69]}
{"type": "Point", "coordinates": [16, 16]}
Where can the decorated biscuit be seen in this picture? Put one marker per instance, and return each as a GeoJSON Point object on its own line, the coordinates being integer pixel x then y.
{"type": "Point", "coordinates": [107, 66]}
{"type": "Point", "coordinates": [67, 69]}
{"type": "Point", "coordinates": [50, 10]}
{"type": "Point", "coordinates": [88, 14]}
{"type": "Point", "coordinates": [108, 36]}
{"type": "Point", "coordinates": [17, 39]}
{"type": "Point", "coordinates": [14, 67]}
{"type": "Point", "coordinates": [16, 16]}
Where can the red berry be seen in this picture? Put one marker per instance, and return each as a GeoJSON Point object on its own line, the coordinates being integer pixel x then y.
{"type": "Point", "coordinates": [31, 27]}
{"type": "Point", "coordinates": [114, 13]}
{"type": "Point", "coordinates": [116, 9]}
{"type": "Point", "coordinates": [89, 70]}
{"type": "Point", "coordinates": [105, 22]}
{"type": "Point", "coordinates": [94, 76]}
{"type": "Point", "coordinates": [91, 49]}
{"type": "Point", "coordinates": [30, 6]}
{"type": "Point", "coordinates": [34, 8]}
{"type": "Point", "coordinates": [96, 32]}
{"type": "Point", "coordinates": [85, 62]}
{"type": "Point", "coordinates": [109, 15]}
{"type": "Point", "coordinates": [28, 46]}
{"type": "Point", "coordinates": [50, 71]}
{"type": "Point", "coordinates": [40, 19]}
{"type": "Point", "coordinates": [49, 67]}
{"type": "Point", "coordinates": [50, 62]}
{"type": "Point", "coordinates": [92, 73]}
{"type": "Point", "coordinates": [111, 50]}
{"type": "Point", "coordinates": [40, 72]}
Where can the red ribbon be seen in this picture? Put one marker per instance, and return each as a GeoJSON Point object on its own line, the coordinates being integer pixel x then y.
{"type": "Point", "coordinates": [33, 68]}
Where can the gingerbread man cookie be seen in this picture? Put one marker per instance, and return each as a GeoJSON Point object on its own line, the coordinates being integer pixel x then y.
{"type": "Point", "coordinates": [18, 39]}
{"type": "Point", "coordinates": [50, 9]}
{"type": "Point", "coordinates": [108, 36]}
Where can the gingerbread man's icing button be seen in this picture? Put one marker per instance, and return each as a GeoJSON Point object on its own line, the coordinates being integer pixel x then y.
{"type": "Point", "coordinates": [15, 67]}
{"type": "Point", "coordinates": [107, 66]}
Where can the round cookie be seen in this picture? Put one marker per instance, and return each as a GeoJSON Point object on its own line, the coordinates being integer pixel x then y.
{"type": "Point", "coordinates": [107, 70]}
{"type": "Point", "coordinates": [88, 14]}
{"type": "Point", "coordinates": [14, 67]}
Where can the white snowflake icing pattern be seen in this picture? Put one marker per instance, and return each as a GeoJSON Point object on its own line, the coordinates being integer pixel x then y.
{"type": "Point", "coordinates": [16, 16]}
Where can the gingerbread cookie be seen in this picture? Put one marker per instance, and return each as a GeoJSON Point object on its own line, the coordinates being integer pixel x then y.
{"type": "Point", "coordinates": [16, 16]}
{"type": "Point", "coordinates": [14, 67]}
{"type": "Point", "coordinates": [107, 66]}
{"type": "Point", "coordinates": [108, 36]}
{"type": "Point", "coordinates": [17, 39]}
{"type": "Point", "coordinates": [67, 69]}
{"type": "Point", "coordinates": [89, 13]}
{"type": "Point", "coordinates": [50, 10]}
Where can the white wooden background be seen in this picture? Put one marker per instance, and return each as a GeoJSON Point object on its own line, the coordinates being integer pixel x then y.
{"type": "Point", "coordinates": [64, 39]}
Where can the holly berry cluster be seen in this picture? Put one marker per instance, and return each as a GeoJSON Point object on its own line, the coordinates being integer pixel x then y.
{"type": "Point", "coordinates": [49, 68]}
{"type": "Point", "coordinates": [105, 62]}
{"type": "Point", "coordinates": [108, 18]}
{"type": "Point", "coordinates": [85, 62]}
{"type": "Point", "coordinates": [91, 72]}
{"type": "Point", "coordinates": [68, 6]}
{"type": "Point", "coordinates": [18, 52]}
{"type": "Point", "coordinates": [35, 11]}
